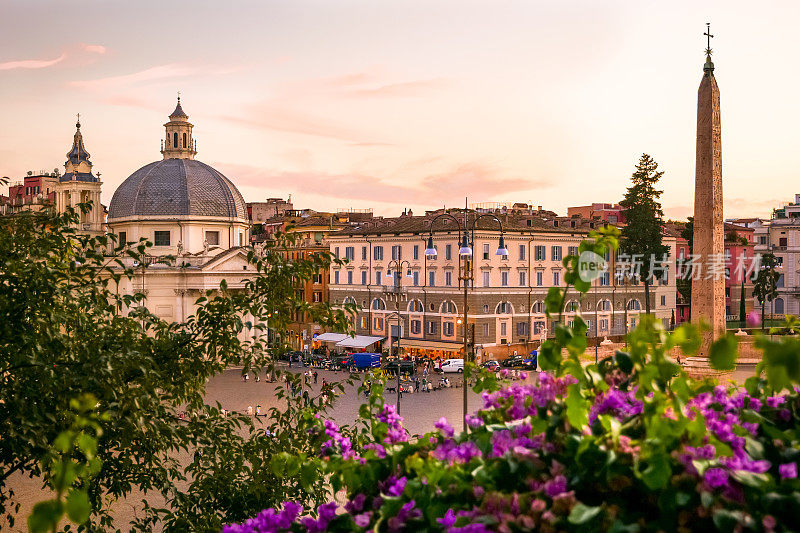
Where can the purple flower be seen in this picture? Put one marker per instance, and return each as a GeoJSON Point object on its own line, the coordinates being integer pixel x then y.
{"type": "Point", "coordinates": [622, 405]}
{"type": "Point", "coordinates": [716, 478]}
{"type": "Point", "coordinates": [448, 520]}
{"type": "Point", "coordinates": [774, 401]}
{"type": "Point", "coordinates": [356, 505]}
{"type": "Point", "coordinates": [788, 470]}
{"type": "Point", "coordinates": [474, 421]}
{"type": "Point", "coordinates": [393, 486]}
{"type": "Point", "coordinates": [444, 428]}
{"type": "Point", "coordinates": [363, 519]}
{"type": "Point", "coordinates": [556, 486]}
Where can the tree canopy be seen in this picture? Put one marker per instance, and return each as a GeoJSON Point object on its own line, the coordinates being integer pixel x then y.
{"type": "Point", "coordinates": [66, 332]}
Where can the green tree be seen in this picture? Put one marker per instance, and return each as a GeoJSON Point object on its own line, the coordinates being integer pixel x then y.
{"type": "Point", "coordinates": [765, 282]}
{"type": "Point", "coordinates": [688, 232]}
{"type": "Point", "coordinates": [65, 330]}
{"type": "Point", "coordinates": [642, 237]}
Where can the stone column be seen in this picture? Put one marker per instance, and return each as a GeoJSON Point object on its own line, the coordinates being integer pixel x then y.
{"type": "Point", "coordinates": [708, 292]}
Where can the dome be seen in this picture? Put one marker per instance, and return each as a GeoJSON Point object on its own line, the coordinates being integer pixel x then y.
{"type": "Point", "coordinates": [174, 187]}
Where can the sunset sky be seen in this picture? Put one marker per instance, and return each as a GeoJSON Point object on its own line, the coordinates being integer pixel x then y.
{"type": "Point", "coordinates": [387, 105]}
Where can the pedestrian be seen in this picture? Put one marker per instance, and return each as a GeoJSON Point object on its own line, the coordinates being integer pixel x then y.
{"type": "Point", "coordinates": [258, 378]}
{"type": "Point", "coordinates": [245, 377]}
{"type": "Point", "coordinates": [250, 410]}
{"type": "Point", "coordinates": [315, 377]}
{"type": "Point", "coordinates": [305, 398]}
{"type": "Point", "coordinates": [258, 410]}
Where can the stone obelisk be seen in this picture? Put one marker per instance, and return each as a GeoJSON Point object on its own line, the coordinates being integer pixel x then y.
{"type": "Point", "coordinates": [708, 286]}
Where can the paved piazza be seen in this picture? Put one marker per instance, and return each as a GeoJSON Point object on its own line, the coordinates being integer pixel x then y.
{"type": "Point", "coordinates": [419, 410]}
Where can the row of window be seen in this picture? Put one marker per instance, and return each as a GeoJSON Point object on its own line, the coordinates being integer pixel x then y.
{"type": "Point", "coordinates": [163, 238]}
{"type": "Point", "coordinates": [522, 278]}
{"type": "Point", "coordinates": [502, 308]}
{"type": "Point", "coordinates": [449, 328]}
{"type": "Point", "coordinates": [540, 252]}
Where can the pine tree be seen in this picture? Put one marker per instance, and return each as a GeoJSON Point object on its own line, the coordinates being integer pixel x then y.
{"type": "Point", "coordinates": [643, 234]}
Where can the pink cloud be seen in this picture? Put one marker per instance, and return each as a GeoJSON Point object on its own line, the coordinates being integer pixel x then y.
{"type": "Point", "coordinates": [94, 48]}
{"type": "Point", "coordinates": [278, 117]}
{"type": "Point", "coordinates": [470, 179]}
{"type": "Point", "coordinates": [32, 63]}
{"type": "Point", "coordinates": [403, 89]}
{"type": "Point", "coordinates": [157, 73]}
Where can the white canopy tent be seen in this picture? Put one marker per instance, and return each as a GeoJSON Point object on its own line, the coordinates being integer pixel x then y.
{"type": "Point", "coordinates": [359, 341]}
{"type": "Point", "coordinates": [331, 337]}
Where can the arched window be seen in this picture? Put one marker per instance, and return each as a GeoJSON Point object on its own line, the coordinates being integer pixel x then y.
{"type": "Point", "coordinates": [604, 305]}
{"type": "Point", "coordinates": [504, 308]}
{"type": "Point", "coordinates": [448, 307]}
{"type": "Point", "coordinates": [184, 140]}
{"type": "Point", "coordinates": [415, 306]}
{"type": "Point", "coordinates": [537, 307]}
{"type": "Point", "coordinates": [634, 305]}
{"type": "Point", "coordinates": [175, 139]}
{"type": "Point", "coordinates": [779, 306]}
{"type": "Point", "coordinates": [349, 300]}
{"type": "Point", "coordinates": [572, 306]}
{"type": "Point", "coordinates": [378, 304]}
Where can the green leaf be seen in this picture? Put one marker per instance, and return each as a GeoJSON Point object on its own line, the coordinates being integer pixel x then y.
{"type": "Point", "coordinates": [624, 361]}
{"type": "Point", "coordinates": [722, 355]}
{"type": "Point", "coordinates": [577, 411]}
{"type": "Point", "coordinates": [45, 516]}
{"type": "Point", "coordinates": [658, 471]}
{"type": "Point", "coordinates": [553, 300]}
{"type": "Point", "coordinates": [78, 506]}
{"type": "Point", "coordinates": [549, 355]}
{"type": "Point", "coordinates": [582, 513]}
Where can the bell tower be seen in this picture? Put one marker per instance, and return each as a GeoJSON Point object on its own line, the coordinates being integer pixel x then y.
{"type": "Point", "coordinates": [178, 143]}
{"type": "Point", "coordinates": [78, 185]}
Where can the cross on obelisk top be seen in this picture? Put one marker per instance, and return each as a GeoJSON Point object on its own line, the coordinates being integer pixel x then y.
{"type": "Point", "coordinates": [79, 121]}
{"type": "Point", "coordinates": [708, 38]}
{"type": "Point", "coordinates": [179, 96]}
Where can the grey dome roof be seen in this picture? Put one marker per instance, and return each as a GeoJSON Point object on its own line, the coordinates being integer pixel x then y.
{"type": "Point", "coordinates": [177, 187]}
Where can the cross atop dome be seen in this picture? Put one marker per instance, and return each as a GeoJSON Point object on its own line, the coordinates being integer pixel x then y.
{"type": "Point", "coordinates": [179, 113]}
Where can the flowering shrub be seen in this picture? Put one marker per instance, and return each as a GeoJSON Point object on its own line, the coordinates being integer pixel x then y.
{"type": "Point", "coordinates": [628, 444]}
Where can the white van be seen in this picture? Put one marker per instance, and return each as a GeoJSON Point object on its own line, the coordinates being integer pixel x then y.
{"type": "Point", "coordinates": [453, 365]}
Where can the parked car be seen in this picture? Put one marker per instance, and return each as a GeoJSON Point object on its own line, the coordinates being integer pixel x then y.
{"type": "Point", "coordinates": [518, 361]}
{"type": "Point", "coordinates": [342, 362]}
{"type": "Point", "coordinates": [453, 365]}
{"type": "Point", "coordinates": [491, 365]}
{"type": "Point", "coordinates": [407, 366]}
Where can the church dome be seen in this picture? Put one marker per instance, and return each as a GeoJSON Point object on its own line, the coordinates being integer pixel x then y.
{"type": "Point", "coordinates": [175, 187]}
{"type": "Point", "coordinates": [178, 185]}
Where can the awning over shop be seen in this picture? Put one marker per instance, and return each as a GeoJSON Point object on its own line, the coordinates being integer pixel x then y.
{"type": "Point", "coordinates": [331, 337]}
{"type": "Point", "coordinates": [431, 345]}
{"type": "Point", "coordinates": [359, 341]}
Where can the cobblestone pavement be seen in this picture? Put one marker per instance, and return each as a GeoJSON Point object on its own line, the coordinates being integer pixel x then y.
{"type": "Point", "coordinates": [420, 410]}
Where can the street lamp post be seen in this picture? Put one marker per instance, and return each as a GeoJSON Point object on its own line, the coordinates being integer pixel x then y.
{"type": "Point", "coordinates": [466, 236]}
{"type": "Point", "coordinates": [396, 289]}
